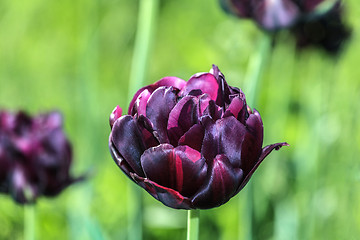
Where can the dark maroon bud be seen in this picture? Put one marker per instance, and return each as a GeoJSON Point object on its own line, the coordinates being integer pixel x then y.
{"type": "Point", "coordinates": [35, 156]}
{"type": "Point", "coordinates": [191, 144]}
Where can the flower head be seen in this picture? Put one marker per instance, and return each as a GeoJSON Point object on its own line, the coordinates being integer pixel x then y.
{"type": "Point", "coordinates": [35, 156]}
{"type": "Point", "coordinates": [191, 144]}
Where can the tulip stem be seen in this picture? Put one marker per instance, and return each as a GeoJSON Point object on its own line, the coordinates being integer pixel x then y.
{"type": "Point", "coordinates": [29, 222]}
{"type": "Point", "coordinates": [193, 224]}
{"type": "Point", "coordinates": [144, 34]}
{"type": "Point", "coordinates": [253, 84]}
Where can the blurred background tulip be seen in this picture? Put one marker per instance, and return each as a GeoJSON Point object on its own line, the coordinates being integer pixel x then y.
{"type": "Point", "coordinates": [313, 22]}
{"type": "Point", "coordinates": [35, 155]}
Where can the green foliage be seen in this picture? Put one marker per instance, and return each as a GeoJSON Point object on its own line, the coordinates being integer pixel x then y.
{"type": "Point", "coordinates": [75, 56]}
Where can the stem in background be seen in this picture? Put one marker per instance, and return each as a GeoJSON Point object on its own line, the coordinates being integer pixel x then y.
{"type": "Point", "coordinates": [193, 224]}
{"type": "Point", "coordinates": [144, 37]}
{"type": "Point", "coordinates": [29, 222]}
{"type": "Point", "coordinates": [253, 84]}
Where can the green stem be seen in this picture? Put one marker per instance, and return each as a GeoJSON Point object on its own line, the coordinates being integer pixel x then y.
{"type": "Point", "coordinates": [193, 225]}
{"type": "Point", "coordinates": [144, 37]}
{"type": "Point", "coordinates": [29, 222]}
{"type": "Point", "coordinates": [253, 83]}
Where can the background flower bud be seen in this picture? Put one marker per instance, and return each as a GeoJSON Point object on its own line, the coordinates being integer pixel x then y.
{"type": "Point", "coordinates": [35, 156]}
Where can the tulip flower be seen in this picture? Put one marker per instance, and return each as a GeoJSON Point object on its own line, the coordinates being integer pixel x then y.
{"type": "Point", "coordinates": [313, 22]}
{"type": "Point", "coordinates": [191, 145]}
{"type": "Point", "coordinates": [35, 156]}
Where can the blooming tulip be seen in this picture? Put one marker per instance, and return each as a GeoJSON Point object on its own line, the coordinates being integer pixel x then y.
{"type": "Point", "coordinates": [191, 144]}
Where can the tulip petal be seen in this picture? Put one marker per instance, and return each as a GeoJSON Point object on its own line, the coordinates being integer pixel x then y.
{"type": "Point", "coordinates": [265, 151]}
{"type": "Point", "coordinates": [140, 103]}
{"type": "Point", "coordinates": [119, 160]}
{"type": "Point", "coordinates": [194, 137]}
{"type": "Point", "coordinates": [147, 131]}
{"type": "Point", "coordinates": [206, 82]}
{"type": "Point", "coordinates": [181, 168]}
{"type": "Point", "coordinates": [253, 140]}
{"type": "Point", "coordinates": [181, 118]}
{"type": "Point", "coordinates": [276, 14]}
{"type": "Point", "coordinates": [174, 82]}
{"type": "Point", "coordinates": [115, 114]}
{"type": "Point", "coordinates": [225, 136]}
{"type": "Point", "coordinates": [23, 187]}
{"type": "Point", "coordinates": [237, 108]}
{"type": "Point", "coordinates": [167, 196]}
{"type": "Point", "coordinates": [161, 102]}
{"type": "Point", "coordinates": [223, 181]}
{"type": "Point", "coordinates": [127, 140]}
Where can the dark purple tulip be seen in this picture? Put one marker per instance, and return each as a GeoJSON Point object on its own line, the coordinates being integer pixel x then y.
{"type": "Point", "coordinates": [35, 156]}
{"type": "Point", "coordinates": [189, 144]}
{"type": "Point", "coordinates": [313, 22]}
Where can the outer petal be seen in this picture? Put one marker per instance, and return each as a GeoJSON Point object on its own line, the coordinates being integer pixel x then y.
{"type": "Point", "coordinates": [167, 196]}
{"type": "Point", "coordinates": [253, 140]}
{"type": "Point", "coordinates": [265, 151]}
{"type": "Point", "coordinates": [119, 160]}
{"type": "Point", "coordinates": [223, 181]}
{"type": "Point", "coordinates": [181, 168]}
{"type": "Point", "coordinates": [181, 118]}
{"type": "Point", "coordinates": [225, 136]}
{"type": "Point", "coordinates": [276, 14]}
{"type": "Point", "coordinates": [164, 82]}
{"type": "Point", "coordinates": [23, 186]}
{"type": "Point", "coordinates": [161, 102]}
{"type": "Point", "coordinates": [116, 113]}
{"type": "Point", "coordinates": [127, 140]}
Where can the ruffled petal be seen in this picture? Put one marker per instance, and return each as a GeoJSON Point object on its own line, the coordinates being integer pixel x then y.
{"type": "Point", "coordinates": [127, 140]}
{"type": "Point", "coordinates": [223, 181]}
{"type": "Point", "coordinates": [161, 102]}
{"type": "Point", "coordinates": [181, 118]}
{"type": "Point", "coordinates": [181, 168]}
{"type": "Point", "coordinates": [225, 136]}
{"type": "Point", "coordinates": [206, 82]}
{"type": "Point", "coordinates": [164, 82]}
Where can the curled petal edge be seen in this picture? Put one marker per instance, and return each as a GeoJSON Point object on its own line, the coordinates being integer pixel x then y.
{"type": "Point", "coordinates": [169, 197]}
{"type": "Point", "coordinates": [265, 151]}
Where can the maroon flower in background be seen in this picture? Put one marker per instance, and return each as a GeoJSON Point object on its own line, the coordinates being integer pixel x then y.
{"type": "Point", "coordinates": [313, 22]}
{"type": "Point", "coordinates": [35, 156]}
{"type": "Point", "coordinates": [189, 144]}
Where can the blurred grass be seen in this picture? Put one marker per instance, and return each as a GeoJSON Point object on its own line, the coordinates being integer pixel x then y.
{"type": "Point", "coordinates": [75, 56]}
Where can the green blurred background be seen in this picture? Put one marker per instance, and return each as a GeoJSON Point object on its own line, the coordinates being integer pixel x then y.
{"type": "Point", "coordinates": [75, 56]}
